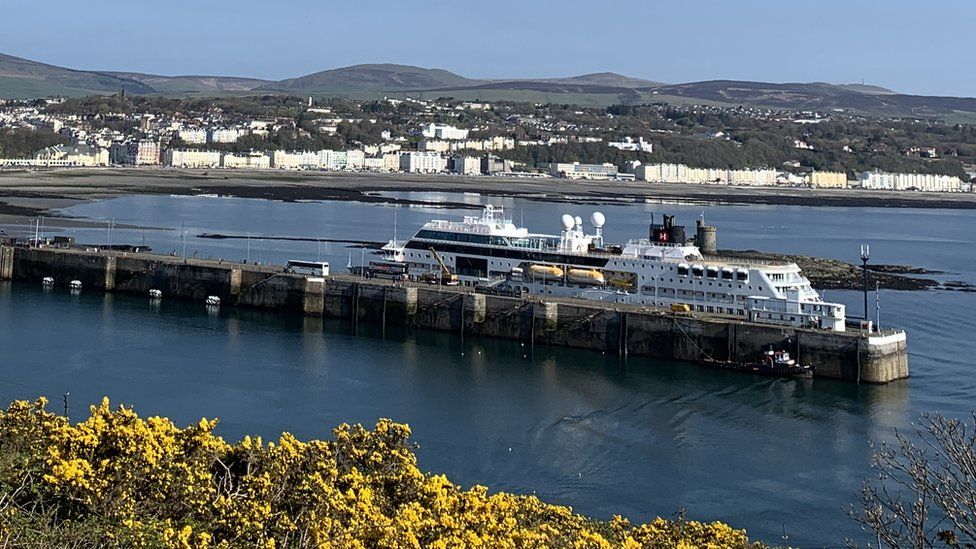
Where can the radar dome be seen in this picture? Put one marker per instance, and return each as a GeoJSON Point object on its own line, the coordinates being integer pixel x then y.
{"type": "Point", "coordinates": [598, 219]}
{"type": "Point", "coordinates": [568, 222]}
{"type": "Point", "coordinates": [578, 221]}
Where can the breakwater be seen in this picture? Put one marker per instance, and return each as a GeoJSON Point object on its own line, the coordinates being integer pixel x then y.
{"type": "Point", "coordinates": [612, 328]}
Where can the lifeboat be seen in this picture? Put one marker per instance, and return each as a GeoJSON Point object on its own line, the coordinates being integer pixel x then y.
{"type": "Point", "coordinates": [586, 276]}
{"type": "Point", "coordinates": [546, 271]}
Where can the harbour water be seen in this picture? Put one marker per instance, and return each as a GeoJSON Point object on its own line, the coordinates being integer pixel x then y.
{"type": "Point", "coordinates": [635, 437]}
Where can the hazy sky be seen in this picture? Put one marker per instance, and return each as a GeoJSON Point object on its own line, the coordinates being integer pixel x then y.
{"type": "Point", "coordinates": [910, 46]}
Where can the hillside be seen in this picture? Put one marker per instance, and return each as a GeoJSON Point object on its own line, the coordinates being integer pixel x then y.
{"type": "Point", "coordinates": [868, 89]}
{"type": "Point", "coordinates": [381, 77]}
{"type": "Point", "coordinates": [820, 96]}
{"type": "Point", "coordinates": [23, 78]}
{"type": "Point", "coordinates": [192, 84]}
{"type": "Point", "coordinates": [609, 79]}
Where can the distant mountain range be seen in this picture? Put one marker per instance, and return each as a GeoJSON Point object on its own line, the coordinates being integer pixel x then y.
{"type": "Point", "coordinates": [23, 78]}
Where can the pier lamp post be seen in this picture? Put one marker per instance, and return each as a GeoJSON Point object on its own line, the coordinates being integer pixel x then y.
{"type": "Point", "coordinates": [865, 256]}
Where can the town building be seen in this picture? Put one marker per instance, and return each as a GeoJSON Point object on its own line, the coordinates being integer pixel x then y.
{"type": "Point", "coordinates": [251, 160]}
{"type": "Point", "coordinates": [226, 135]}
{"type": "Point", "coordinates": [491, 164]}
{"type": "Point", "coordinates": [355, 159]}
{"type": "Point", "coordinates": [465, 165]}
{"type": "Point", "coordinates": [680, 173]}
{"type": "Point", "coordinates": [192, 158]}
{"type": "Point", "coordinates": [143, 152]}
{"type": "Point", "coordinates": [422, 162]}
{"type": "Point", "coordinates": [385, 163]}
{"type": "Point", "coordinates": [630, 144]}
{"type": "Point", "coordinates": [295, 160]}
{"type": "Point", "coordinates": [441, 131]}
{"type": "Point", "coordinates": [753, 177]}
{"type": "Point", "coordinates": [374, 163]}
{"type": "Point", "coordinates": [828, 180]}
{"type": "Point", "coordinates": [435, 145]}
{"type": "Point", "coordinates": [80, 154]}
{"type": "Point", "coordinates": [909, 182]}
{"type": "Point", "coordinates": [193, 136]}
{"type": "Point", "coordinates": [576, 170]}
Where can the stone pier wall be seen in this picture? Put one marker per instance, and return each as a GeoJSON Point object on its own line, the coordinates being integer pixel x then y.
{"type": "Point", "coordinates": [595, 326]}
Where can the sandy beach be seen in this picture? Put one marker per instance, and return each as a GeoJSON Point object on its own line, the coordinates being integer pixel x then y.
{"type": "Point", "coordinates": [28, 194]}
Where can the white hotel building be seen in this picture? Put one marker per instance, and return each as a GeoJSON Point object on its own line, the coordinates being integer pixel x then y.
{"type": "Point", "coordinates": [909, 181]}
{"type": "Point", "coordinates": [440, 131]}
{"type": "Point", "coordinates": [422, 162]}
{"type": "Point", "coordinates": [252, 160]}
{"type": "Point", "coordinates": [679, 173]}
{"type": "Point", "coordinates": [189, 158]}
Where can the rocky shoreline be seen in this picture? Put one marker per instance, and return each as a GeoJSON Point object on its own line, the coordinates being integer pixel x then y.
{"type": "Point", "coordinates": [834, 274]}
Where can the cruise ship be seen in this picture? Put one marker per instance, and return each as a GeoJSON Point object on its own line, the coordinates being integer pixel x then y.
{"type": "Point", "coordinates": [663, 270]}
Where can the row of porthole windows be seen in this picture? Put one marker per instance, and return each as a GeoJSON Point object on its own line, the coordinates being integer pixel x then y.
{"type": "Point", "coordinates": [713, 273]}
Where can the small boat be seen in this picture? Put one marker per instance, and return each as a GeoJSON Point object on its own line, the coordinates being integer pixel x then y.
{"type": "Point", "coordinates": [773, 364]}
{"type": "Point", "coordinates": [213, 301]}
{"type": "Point", "coordinates": [75, 284]}
{"type": "Point", "coordinates": [47, 281]}
{"type": "Point", "coordinates": [155, 294]}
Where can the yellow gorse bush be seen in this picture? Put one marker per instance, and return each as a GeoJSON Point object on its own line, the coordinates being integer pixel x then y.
{"type": "Point", "coordinates": [116, 479]}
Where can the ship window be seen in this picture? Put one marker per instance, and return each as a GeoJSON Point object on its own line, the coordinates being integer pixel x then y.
{"type": "Point", "coordinates": [742, 276]}
{"type": "Point", "coordinates": [712, 272]}
{"type": "Point", "coordinates": [682, 270]}
{"type": "Point", "coordinates": [697, 270]}
{"type": "Point", "coordinates": [726, 274]}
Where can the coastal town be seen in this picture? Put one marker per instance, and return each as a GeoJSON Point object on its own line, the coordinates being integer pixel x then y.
{"type": "Point", "coordinates": [445, 136]}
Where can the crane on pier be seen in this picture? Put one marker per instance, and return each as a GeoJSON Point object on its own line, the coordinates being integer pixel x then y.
{"type": "Point", "coordinates": [447, 278]}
